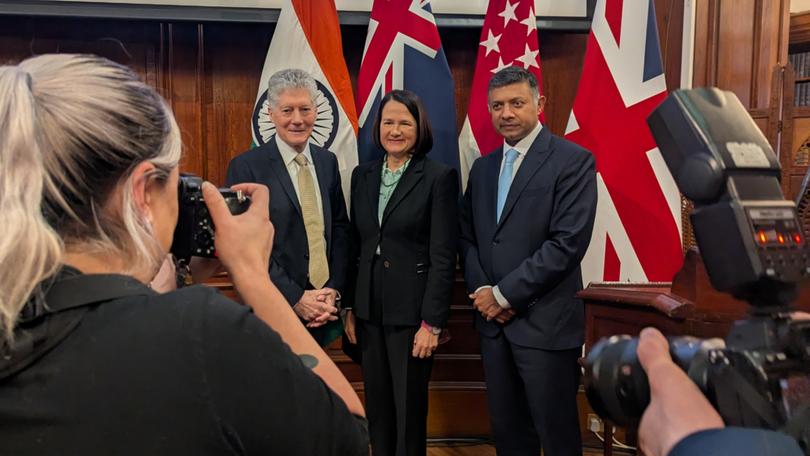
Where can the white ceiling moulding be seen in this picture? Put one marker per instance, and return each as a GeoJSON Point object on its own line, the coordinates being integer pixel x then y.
{"type": "Point", "coordinates": [544, 8]}
{"type": "Point", "coordinates": [552, 15]}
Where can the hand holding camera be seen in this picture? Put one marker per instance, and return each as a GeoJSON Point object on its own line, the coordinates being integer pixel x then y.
{"type": "Point", "coordinates": [243, 242]}
{"type": "Point", "coordinates": [754, 248]}
{"type": "Point", "coordinates": [677, 407]}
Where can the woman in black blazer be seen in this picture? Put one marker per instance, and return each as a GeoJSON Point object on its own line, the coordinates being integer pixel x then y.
{"type": "Point", "coordinates": [404, 225]}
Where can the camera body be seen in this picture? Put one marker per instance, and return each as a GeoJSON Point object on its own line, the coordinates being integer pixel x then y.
{"type": "Point", "coordinates": [753, 247]}
{"type": "Point", "coordinates": [194, 233]}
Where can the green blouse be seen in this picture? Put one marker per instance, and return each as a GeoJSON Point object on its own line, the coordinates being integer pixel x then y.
{"type": "Point", "coordinates": [388, 183]}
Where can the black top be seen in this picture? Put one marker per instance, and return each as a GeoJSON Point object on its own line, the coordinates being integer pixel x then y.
{"type": "Point", "coordinates": [187, 372]}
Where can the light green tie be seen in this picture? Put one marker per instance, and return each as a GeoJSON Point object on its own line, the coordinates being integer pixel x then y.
{"type": "Point", "coordinates": [313, 223]}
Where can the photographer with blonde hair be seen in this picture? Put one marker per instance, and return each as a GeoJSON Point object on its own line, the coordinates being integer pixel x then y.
{"type": "Point", "coordinates": [94, 361]}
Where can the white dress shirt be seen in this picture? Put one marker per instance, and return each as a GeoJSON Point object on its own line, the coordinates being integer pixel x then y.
{"type": "Point", "coordinates": [522, 148]}
{"type": "Point", "coordinates": [288, 155]}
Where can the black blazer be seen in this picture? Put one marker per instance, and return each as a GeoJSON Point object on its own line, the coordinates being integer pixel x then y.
{"type": "Point", "coordinates": [289, 265]}
{"type": "Point", "coordinates": [417, 239]}
{"type": "Point", "coordinates": [533, 254]}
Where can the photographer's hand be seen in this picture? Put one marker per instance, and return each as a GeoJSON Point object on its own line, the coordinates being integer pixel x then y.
{"type": "Point", "coordinates": [677, 407]}
{"type": "Point", "coordinates": [244, 242]}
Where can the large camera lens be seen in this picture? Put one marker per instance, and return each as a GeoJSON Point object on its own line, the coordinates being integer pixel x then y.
{"type": "Point", "coordinates": [617, 386]}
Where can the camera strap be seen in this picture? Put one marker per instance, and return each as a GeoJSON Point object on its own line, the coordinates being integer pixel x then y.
{"type": "Point", "coordinates": [737, 390]}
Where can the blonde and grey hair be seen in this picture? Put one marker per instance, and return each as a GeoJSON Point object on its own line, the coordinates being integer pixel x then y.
{"type": "Point", "coordinates": [292, 78]}
{"type": "Point", "coordinates": [72, 129]}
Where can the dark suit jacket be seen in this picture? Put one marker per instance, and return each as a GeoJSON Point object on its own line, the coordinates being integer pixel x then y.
{"type": "Point", "coordinates": [289, 265]}
{"type": "Point", "coordinates": [732, 441]}
{"type": "Point", "coordinates": [533, 254]}
{"type": "Point", "coordinates": [417, 238]}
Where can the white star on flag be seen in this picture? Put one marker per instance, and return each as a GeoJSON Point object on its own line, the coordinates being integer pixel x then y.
{"type": "Point", "coordinates": [508, 13]}
{"type": "Point", "coordinates": [500, 66]}
{"type": "Point", "coordinates": [530, 22]}
{"type": "Point", "coordinates": [491, 43]}
{"type": "Point", "coordinates": [529, 58]}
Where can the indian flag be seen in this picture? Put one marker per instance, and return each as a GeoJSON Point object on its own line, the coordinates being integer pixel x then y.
{"type": "Point", "coordinates": [307, 36]}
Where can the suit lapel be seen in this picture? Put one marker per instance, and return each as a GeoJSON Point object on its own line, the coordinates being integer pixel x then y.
{"type": "Point", "coordinates": [535, 157]}
{"type": "Point", "coordinates": [283, 176]}
{"type": "Point", "coordinates": [491, 181]}
{"type": "Point", "coordinates": [409, 179]}
{"type": "Point", "coordinates": [373, 179]}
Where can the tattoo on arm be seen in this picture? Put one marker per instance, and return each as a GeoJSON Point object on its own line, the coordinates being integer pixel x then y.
{"type": "Point", "coordinates": [309, 360]}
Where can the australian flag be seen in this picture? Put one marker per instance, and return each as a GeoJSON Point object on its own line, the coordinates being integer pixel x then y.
{"type": "Point", "coordinates": [403, 51]}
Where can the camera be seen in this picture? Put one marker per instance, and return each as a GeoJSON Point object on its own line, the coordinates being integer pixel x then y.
{"type": "Point", "coordinates": [754, 248]}
{"type": "Point", "coordinates": [194, 233]}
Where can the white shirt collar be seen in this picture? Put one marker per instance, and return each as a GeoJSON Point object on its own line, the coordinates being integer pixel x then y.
{"type": "Point", "coordinates": [288, 153]}
{"type": "Point", "coordinates": [522, 146]}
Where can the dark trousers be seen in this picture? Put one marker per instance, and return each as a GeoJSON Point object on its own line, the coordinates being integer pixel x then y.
{"type": "Point", "coordinates": [532, 397]}
{"type": "Point", "coordinates": [396, 384]}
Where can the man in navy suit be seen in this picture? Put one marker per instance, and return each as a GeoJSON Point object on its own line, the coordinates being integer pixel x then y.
{"type": "Point", "coordinates": [307, 208]}
{"type": "Point", "coordinates": [526, 222]}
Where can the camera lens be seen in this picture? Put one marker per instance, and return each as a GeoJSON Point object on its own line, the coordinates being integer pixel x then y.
{"type": "Point", "coordinates": [614, 381]}
{"type": "Point", "coordinates": [617, 386]}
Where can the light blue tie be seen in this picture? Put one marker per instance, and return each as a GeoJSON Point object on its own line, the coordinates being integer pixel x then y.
{"type": "Point", "coordinates": [505, 180]}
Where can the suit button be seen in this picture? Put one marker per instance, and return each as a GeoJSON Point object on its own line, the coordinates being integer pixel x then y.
{"type": "Point", "coordinates": [494, 242]}
{"type": "Point", "coordinates": [306, 255]}
{"type": "Point", "coordinates": [386, 264]}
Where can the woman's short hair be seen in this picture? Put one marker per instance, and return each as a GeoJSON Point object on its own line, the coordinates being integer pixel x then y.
{"type": "Point", "coordinates": [424, 135]}
{"type": "Point", "coordinates": [72, 129]}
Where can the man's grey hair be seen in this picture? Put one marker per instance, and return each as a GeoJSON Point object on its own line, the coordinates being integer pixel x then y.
{"type": "Point", "coordinates": [292, 78]}
{"type": "Point", "coordinates": [513, 75]}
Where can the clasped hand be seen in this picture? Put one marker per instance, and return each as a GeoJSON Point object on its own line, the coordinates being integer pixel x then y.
{"type": "Point", "coordinates": [317, 307]}
{"type": "Point", "coordinates": [484, 302]}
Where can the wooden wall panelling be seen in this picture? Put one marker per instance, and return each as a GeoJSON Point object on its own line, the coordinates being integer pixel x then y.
{"type": "Point", "coordinates": [134, 44]}
{"type": "Point", "coordinates": [563, 55]}
{"type": "Point", "coordinates": [771, 35]}
{"type": "Point", "coordinates": [738, 43]}
{"type": "Point", "coordinates": [183, 86]}
{"type": "Point", "coordinates": [735, 48]}
{"type": "Point", "coordinates": [234, 57]}
{"type": "Point", "coordinates": [669, 15]}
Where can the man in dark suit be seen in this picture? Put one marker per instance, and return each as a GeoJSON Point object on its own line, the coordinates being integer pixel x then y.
{"type": "Point", "coordinates": [307, 207]}
{"type": "Point", "coordinates": [526, 222]}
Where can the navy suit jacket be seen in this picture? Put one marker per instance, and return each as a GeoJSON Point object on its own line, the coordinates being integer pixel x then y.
{"type": "Point", "coordinates": [533, 253]}
{"type": "Point", "coordinates": [289, 265]}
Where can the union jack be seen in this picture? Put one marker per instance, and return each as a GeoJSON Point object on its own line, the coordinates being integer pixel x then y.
{"type": "Point", "coordinates": [637, 231]}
